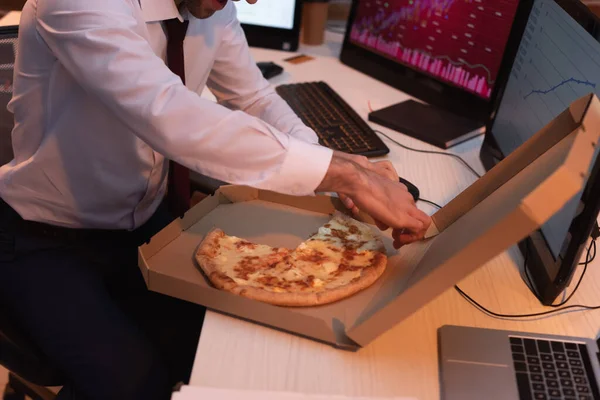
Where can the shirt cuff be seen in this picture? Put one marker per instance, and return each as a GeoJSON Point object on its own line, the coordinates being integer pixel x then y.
{"type": "Point", "coordinates": [309, 136]}
{"type": "Point", "coordinates": [303, 169]}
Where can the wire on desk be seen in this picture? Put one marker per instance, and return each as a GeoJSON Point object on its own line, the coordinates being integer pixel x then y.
{"type": "Point", "coordinates": [432, 152]}
{"type": "Point", "coordinates": [557, 307]}
{"type": "Point", "coordinates": [429, 202]}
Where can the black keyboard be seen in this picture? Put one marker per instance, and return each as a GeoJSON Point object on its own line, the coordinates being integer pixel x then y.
{"type": "Point", "coordinates": [338, 126]}
{"type": "Point", "coordinates": [548, 370]}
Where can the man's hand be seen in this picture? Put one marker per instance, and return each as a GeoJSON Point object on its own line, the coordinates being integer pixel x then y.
{"type": "Point", "coordinates": [374, 188]}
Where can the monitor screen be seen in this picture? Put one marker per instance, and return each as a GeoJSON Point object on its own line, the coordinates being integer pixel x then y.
{"type": "Point", "coordinates": [459, 42]}
{"type": "Point", "coordinates": [267, 13]}
{"type": "Point", "coordinates": [8, 38]}
{"type": "Point", "coordinates": [557, 62]}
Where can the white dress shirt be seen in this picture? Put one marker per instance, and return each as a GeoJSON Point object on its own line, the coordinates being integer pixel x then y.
{"type": "Point", "coordinates": [97, 111]}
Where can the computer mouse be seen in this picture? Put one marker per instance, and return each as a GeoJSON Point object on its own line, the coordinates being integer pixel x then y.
{"type": "Point", "coordinates": [269, 69]}
{"type": "Point", "coordinates": [412, 189]}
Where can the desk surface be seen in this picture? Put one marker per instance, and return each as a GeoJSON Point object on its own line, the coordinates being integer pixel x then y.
{"type": "Point", "coordinates": [403, 361]}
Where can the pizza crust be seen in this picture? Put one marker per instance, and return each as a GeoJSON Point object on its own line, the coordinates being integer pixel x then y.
{"type": "Point", "coordinates": [208, 254]}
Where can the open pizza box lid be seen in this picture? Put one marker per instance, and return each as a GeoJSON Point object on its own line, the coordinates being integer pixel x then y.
{"type": "Point", "coordinates": [503, 207]}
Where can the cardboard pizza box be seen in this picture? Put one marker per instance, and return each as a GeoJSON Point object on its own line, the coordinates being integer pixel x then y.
{"type": "Point", "coordinates": [510, 202]}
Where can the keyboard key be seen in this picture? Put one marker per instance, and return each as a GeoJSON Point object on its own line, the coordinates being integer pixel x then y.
{"type": "Point", "coordinates": [539, 387]}
{"type": "Point", "coordinates": [572, 354]}
{"type": "Point", "coordinates": [570, 346]}
{"type": "Point", "coordinates": [564, 374]}
{"type": "Point", "coordinates": [550, 374]}
{"type": "Point", "coordinates": [533, 360]}
{"type": "Point", "coordinates": [523, 386]}
{"type": "Point", "coordinates": [582, 389]}
{"type": "Point", "coordinates": [568, 392]}
{"type": "Point", "coordinates": [560, 357]}
{"type": "Point", "coordinates": [566, 383]}
{"type": "Point", "coordinates": [535, 368]}
{"type": "Point", "coordinates": [585, 397]}
{"type": "Point", "coordinates": [575, 363]}
{"type": "Point", "coordinates": [548, 365]}
{"type": "Point", "coordinates": [554, 393]}
{"type": "Point", "coordinates": [546, 357]}
{"type": "Point", "coordinates": [540, 396]}
{"type": "Point", "coordinates": [544, 346]}
{"type": "Point", "coordinates": [557, 347]}
{"type": "Point", "coordinates": [562, 365]}
{"type": "Point", "coordinates": [577, 371]}
{"type": "Point", "coordinates": [580, 380]}
{"type": "Point", "coordinates": [537, 378]}
{"type": "Point", "coordinates": [551, 383]}
{"type": "Point", "coordinates": [517, 349]}
{"type": "Point", "coordinates": [515, 340]}
{"type": "Point", "coordinates": [530, 347]}
{"type": "Point", "coordinates": [519, 357]}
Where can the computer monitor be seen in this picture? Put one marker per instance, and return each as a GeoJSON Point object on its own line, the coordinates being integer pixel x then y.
{"type": "Point", "coordinates": [557, 62]}
{"type": "Point", "coordinates": [447, 53]}
{"type": "Point", "coordinates": [271, 23]}
{"type": "Point", "coordinates": [8, 41]}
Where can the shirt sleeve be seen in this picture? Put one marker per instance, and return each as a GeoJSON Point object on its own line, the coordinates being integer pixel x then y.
{"type": "Point", "coordinates": [237, 83]}
{"type": "Point", "coordinates": [102, 45]}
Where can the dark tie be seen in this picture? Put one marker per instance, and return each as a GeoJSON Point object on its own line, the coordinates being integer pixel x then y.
{"type": "Point", "coordinates": [179, 176]}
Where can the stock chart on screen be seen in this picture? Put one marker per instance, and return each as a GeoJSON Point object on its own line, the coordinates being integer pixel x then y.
{"type": "Point", "coordinates": [460, 42]}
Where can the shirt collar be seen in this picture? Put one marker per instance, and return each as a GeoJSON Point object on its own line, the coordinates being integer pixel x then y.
{"type": "Point", "coordinates": [159, 10]}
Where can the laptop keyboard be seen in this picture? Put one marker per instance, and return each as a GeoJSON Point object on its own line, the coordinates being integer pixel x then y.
{"type": "Point", "coordinates": [549, 370]}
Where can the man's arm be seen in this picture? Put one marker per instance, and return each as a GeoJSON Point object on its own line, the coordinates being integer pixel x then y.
{"type": "Point", "coordinates": [238, 84]}
{"type": "Point", "coordinates": [100, 43]}
{"type": "Point", "coordinates": [97, 42]}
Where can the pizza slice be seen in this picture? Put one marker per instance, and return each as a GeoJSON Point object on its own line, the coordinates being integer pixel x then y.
{"type": "Point", "coordinates": [342, 258]}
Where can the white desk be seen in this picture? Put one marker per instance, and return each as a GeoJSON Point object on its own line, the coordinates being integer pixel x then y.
{"type": "Point", "coordinates": [404, 361]}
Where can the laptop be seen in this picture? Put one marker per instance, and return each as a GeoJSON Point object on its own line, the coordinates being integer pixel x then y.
{"type": "Point", "coordinates": [490, 364]}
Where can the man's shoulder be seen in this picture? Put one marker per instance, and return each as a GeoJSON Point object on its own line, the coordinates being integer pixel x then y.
{"type": "Point", "coordinates": [73, 6]}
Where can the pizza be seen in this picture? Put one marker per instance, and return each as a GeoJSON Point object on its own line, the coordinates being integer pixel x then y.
{"type": "Point", "coordinates": [342, 258]}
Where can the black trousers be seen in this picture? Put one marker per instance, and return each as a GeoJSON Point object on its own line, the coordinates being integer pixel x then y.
{"type": "Point", "coordinates": [84, 303]}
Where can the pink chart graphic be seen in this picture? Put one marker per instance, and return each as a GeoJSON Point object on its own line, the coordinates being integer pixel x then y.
{"type": "Point", "coordinates": [440, 67]}
{"type": "Point", "coordinates": [458, 41]}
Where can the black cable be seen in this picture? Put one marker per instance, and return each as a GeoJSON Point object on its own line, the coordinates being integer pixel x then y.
{"type": "Point", "coordinates": [430, 202]}
{"type": "Point", "coordinates": [558, 307]}
{"type": "Point", "coordinates": [432, 152]}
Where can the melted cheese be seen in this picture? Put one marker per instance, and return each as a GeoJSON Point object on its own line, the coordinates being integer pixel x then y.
{"type": "Point", "coordinates": [331, 258]}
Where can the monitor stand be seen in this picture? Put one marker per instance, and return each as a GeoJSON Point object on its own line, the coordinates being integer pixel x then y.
{"type": "Point", "coordinates": [428, 123]}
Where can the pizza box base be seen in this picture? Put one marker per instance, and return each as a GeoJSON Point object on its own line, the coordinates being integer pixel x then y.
{"type": "Point", "coordinates": [507, 204]}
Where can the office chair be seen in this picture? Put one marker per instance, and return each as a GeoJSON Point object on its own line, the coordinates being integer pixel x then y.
{"type": "Point", "coordinates": [29, 372]}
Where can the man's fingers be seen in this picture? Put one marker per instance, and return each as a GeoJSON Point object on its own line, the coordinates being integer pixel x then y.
{"type": "Point", "coordinates": [347, 201]}
{"type": "Point", "coordinates": [381, 225]}
{"type": "Point", "coordinates": [421, 216]}
{"type": "Point", "coordinates": [405, 239]}
{"type": "Point", "coordinates": [402, 237]}
{"type": "Point", "coordinates": [412, 224]}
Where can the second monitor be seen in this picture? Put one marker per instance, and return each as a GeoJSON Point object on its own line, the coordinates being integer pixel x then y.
{"type": "Point", "coordinates": [447, 53]}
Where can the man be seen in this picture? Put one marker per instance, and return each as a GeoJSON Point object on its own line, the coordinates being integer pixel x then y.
{"type": "Point", "coordinates": [97, 113]}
